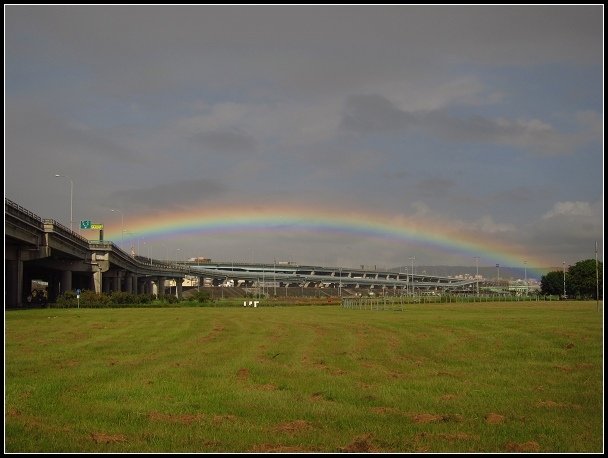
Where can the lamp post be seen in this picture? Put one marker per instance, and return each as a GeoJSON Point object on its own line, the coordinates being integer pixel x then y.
{"type": "Point", "coordinates": [71, 199]}
{"type": "Point", "coordinates": [412, 258]}
{"type": "Point", "coordinates": [135, 234]}
{"type": "Point", "coordinates": [122, 228]}
{"type": "Point", "coordinates": [149, 258]}
{"type": "Point", "coordinates": [526, 275]}
{"type": "Point", "coordinates": [564, 264]}
{"type": "Point", "coordinates": [477, 273]}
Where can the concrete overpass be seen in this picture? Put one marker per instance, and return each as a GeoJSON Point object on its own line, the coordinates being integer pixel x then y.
{"type": "Point", "coordinates": [43, 249]}
{"type": "Point", "coordinates": [250, 274]}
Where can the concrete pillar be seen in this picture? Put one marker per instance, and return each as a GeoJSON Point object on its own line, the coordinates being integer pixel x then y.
{"type": "Point", "coordinates": [116, 282]}
{"type": "Point", "coordinates": [97, 281]}
{"type": "Point", "coordinates": [178, 287]}
{"type": "Point", "coordinates": [13, 281]}
{"type": "Point", "coordinates": [106, 285]}
{"type": "Point", "coordinates": [66, 280]}
{"type": "Point", "coordinates": [134, 284]}
{"type": "Point", "coordinates": [160, 286]}
{"type": "Point", "coordinates": [128, 282]}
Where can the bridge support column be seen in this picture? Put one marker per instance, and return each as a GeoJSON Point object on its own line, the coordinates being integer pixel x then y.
{"type": "Point", "coordinates": [160, 286]}
{"type": "Point", "coordinates": [146, 286]}
{"type": "Point", "coordinates": [134, 283]}
{"type": "Point", "coordinates": [97, 281]}
{"type": "Point", "coordinates": [106, 285]}
{"type": "Point", "coordinates": [13, 281]}
{"type": "Point", "coordinates": [128, 282]}
{"type": "Point", "coordinates": [66, 280]}
{"type": "Point", "coordinates": [116, 282]}
{"type": "Point", "coordinates": [178, 287]}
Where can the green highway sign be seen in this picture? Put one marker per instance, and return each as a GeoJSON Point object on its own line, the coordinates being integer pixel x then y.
{"type": "Point", "coordinates": [85, 224]}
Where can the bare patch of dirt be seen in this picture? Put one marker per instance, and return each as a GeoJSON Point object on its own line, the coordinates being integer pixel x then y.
{"type": "Point", "coordinates": [217, 330]}
{"type": "Point", "coordinates": [13, 412]}
{"type": "Point", "coordinates": [267, 387]}
{"type": "Point", "coordinates": [448, 397]}
{"type": "Point", "coordinates": [103, 438]}
{"type": "Point", "coordinates": [433, 418]}
{"type": "Point", "coordinates": [360, 444]}
{"type": "Point", "coordinates": [564, 368]}
{"type": "Point", "coordinates": [494, 418]}
{"type": "Point", "coordinates": [224, 418]}
{"type": "Point", "coordinates": [274, 448]}
{"type": "Point", "coordinates": [293, 427]}
{"type": "Point", "coordinates": [242, 374]}
{"type": "Point", "coordinates": [530, 446]}
{"type": "Point", "coordinates": [446, 374]}
{"type": "Point", "coordinates": [556, 405]}
{"type": "Point", "coordinates": [446, 436]}
{"type": "Point", "coordinates": [319, 397]}
{"type": "Point", "coordinates": [185, 419]}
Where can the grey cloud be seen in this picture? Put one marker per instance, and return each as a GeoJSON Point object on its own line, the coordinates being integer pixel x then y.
{"type": "Point", "coordinates": [173, 196]}
{"type": "Point", "coordinates": [376, 114]}
{"type": "Point", "coordinates": [232, 140]}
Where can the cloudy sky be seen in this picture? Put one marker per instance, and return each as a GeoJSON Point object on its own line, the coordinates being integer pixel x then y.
{"type": "Point", "coordinates": [483, 120]}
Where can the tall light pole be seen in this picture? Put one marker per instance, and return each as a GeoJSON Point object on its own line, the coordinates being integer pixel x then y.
{"type": "Point", "coordinates": [149, 258]}
{"type": "Point", "coordinates": [71, 199]}
{"type": "Point", "coordinates": [122, 228]}
{"type": "Point", "coordinates": [526, 275]}
{"type": "Point", "coordinates": [135, 234]}
{"type": "Point", "coordinates": [564, 264]}
{"type": "Point", "coordinates": [412, 258]}
{"type": "Point", "coordinates": [477, 273]}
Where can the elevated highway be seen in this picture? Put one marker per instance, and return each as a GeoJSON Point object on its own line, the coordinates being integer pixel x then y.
{"type": "Point", "coordinates": [43, 249]}
{"type": "Point", "coordinates": [330, 277]}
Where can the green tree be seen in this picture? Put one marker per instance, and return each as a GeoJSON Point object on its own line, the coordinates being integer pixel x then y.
{"type": "Point", "coordinates": [581, 279]}
{"type": "Point", "coordinates": [552, 283]}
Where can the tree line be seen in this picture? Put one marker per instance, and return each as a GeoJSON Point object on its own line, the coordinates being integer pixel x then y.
{"type": "Point", "coordinates": [583, 280]}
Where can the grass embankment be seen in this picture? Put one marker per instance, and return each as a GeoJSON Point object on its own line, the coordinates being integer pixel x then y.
{"type": "Point", "coordinates": [489, 377]}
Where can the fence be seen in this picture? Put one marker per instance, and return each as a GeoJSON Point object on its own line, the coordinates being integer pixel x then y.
{"type": "Point", "coordinates": [399, 302]}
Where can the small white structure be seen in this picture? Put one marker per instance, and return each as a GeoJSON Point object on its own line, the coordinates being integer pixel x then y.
{"type": "Point", "coordinates": [251, 303]}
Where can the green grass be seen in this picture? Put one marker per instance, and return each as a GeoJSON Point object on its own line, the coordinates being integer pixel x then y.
{"type": "Point", "coordinates": [490, 377]}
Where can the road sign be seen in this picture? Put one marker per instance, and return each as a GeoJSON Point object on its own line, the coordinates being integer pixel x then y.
{"type": "Point", "coordinates": [85, 224]}
{"type": "Point", "coordinates": [96, 226]}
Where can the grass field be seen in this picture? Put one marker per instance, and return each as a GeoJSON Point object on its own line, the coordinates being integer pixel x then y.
{"type": "Point", "coordinates": [491, 377]}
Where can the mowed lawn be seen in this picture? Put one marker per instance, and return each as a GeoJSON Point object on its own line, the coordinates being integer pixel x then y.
{"type": "Point", "coordinates": [489, 377]}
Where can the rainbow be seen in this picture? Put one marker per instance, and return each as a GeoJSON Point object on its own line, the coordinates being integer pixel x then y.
{"type": "Point", "coordinates": [431, 232]}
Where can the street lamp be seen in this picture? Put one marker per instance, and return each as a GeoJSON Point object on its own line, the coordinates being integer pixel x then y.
{"type": "Point", "coordinates": [412, 258]}
{"type": "Point", "coordinates": [477, 273]}
{"type": "Point", "coordinates": [135, 234]}
{"type": "Point", "coordinates": [149, 258]}
{"type": "Point", "coordinates": [122, 228]}
{"type": "Point", "coordinates": [71, 199]}
{"type": "Point", "coordinates": [564, 264]}
{"type": "Point", "coordinates": [526, 275]}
